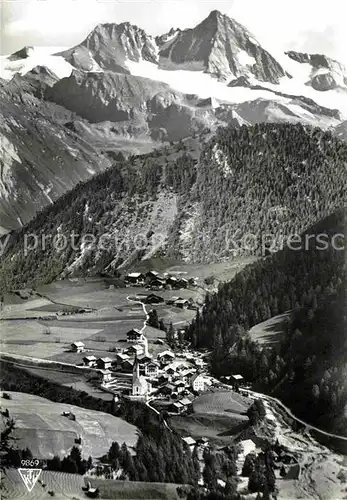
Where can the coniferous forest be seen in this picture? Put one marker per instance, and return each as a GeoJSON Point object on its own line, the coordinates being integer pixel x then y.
{"type": "Point", "coordinates": [308, 369]}
{"type": "Point", "coordinates": [275, 179]}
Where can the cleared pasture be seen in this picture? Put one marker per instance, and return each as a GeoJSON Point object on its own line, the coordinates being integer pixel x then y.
{"type": "Point", "coordinates": [40, 426]}
{"type": "Point", "coordinates": [69, 487]}
{"type": "Point", "coordinates": [271, 332]}
{"type": "Point", "coordinates": [221, 403]}
{"type": "Point", "coordinates": [135, 490]}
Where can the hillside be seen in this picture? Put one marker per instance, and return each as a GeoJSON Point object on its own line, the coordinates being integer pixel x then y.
{"type": "Point", "coordinates": [271, 180]}
{"type": "Point", "coordinates": [41, 159]}
{"type": "Point", "coordinates": [41, 427]}
{"type": "Point", "coordinates": [307, 369]}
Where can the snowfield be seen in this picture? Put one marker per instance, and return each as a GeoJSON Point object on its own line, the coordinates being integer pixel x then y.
{"type": "Point", "coordinates": [40, 56]}
{"type": "Point", "coordinates": [191, 79]}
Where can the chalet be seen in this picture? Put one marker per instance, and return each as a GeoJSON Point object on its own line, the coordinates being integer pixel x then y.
{"type": "Point", "coordinates": [152, 369]}
{"type": "Point", "coordinates": [182, 283]}
{"type": "Point", "coordinates": [168, 389]}
{"type": "Point", "coordinates": [172, 300]}
{"type": "Point", "coordinates": [144, 358]}
{"type": "Point", "coordinates": [176, 407]}
{"type": "Point", "coordinates": [77, 347]}
{"type": "Point", "coordinates": [163, 379]}
{"type": "Point", "coordinates": [180, 385]}
{"type": "Point", "coordinates": [157, 284]}
{"type": "Point", "coordinates": [169, 370]}
{"type": "Point", "coordinates": [134, 335]}
{"type": "Point", "coordinates": [120, 358]}
{"type": "Point", "coordinates": [89, 361]}
{"type": "Point", "coordinates": [172, 281]}
{"type": "Point", "coordinates": [135, 278]}
{"type": "Point", "coordinates": [153, 299]}
{"type": "Point", "coordinates": [106, 376]}
{"type": "Point", "coordinates": [104, 363]}
{"type": "Point", "coordinates": [197, 382]}
{"type": "Point", "coordinates": [181, 303]}
{"type": "Point", "coordinates": [199, 362]}
{"type": "Point", "coordinates": [186, 403]}
{"type": "Point", "coordinates": [166, 357]}
{"type": "Point", "coordinates": [151, 275]}
{"type": "Point", "coordinates": [203, 442]}
{"type": "Point", "coordinates": [237, 381]}
{"type": "Point", "coordinates": [190, 442]}
{"type": "Point", "coordinates": [135, 350]}
{"type": "Point", "coordinates": [187, 374]}
{"type": "Point", "coordinates": [127, 366]}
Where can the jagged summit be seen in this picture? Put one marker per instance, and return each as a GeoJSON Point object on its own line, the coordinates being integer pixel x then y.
{"type": "Point", "coordinates": [108, 47]}
{"type": "Point", "coordinates": [222, 47]}
{"type": "Point", "coordinates": [324, 74]}
{"type": "Point", "coordinates": [23, 53]}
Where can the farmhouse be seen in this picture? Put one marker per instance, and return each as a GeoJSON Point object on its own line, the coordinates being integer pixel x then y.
{"type": "Point", "coordinates": [166, 357]}
{"type": "Point", "coordinates": [186, 403]}
{"type": "Point", "coordinates": [135, 278]}
{"type": "Point", "coordinates": [199, 362]}
{"type": "Point", "coordinates": [172, 300]}
{"type": "Point", "coordinates": [157, 284]}
{"type": "Point", "coordinates": [163, 379]}
{"type": "Point", "coordinates": [127, 366]}
{"type": "Point", "coordinates": [179, 385]}
{"type": "Point", "coordinates": [182, 303]}
{"type": "Point", "coordinates": [152, 369]}
{"type": "Point", "coordinates": [169, 370]}
{"type": "Point", "coordinates": [153, 299]}
{"type": "Point", "coordinates": [168, 389]}
{"type": "Point", "coordinates": [151, 275]}
{"type": "Point", "coordinates": [171, 280]}
{"type": "Point", "coordinates": [135, 350]}
{"type": "Point", "coordinates": [133, 335]}
{"type": "Point", "coordinates": [89, 361]}
{"type": "Point", "coordinates": [190, 442]}
{"type": "Point", "coordinates": [197, 382]}
{"type": "Point", "coordinates": [77, 347]}
{"type": "Point", "coordinates": [106, 376]}
{"type": "Point", "coordinates": [120, 358]}
{"type": "Point", "coordinates": [104, 363]}
{"type": "Point", "coordinates": [176, 407]}
{"type": "Point", "coordinates": [237, 381]}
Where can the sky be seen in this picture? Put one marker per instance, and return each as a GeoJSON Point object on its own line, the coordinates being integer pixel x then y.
{"type": "Point", "coordinates": [315, 26]}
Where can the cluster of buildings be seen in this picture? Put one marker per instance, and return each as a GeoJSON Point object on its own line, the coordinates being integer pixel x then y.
{"type": "Point", "coordinates": [166, 376]}
{"type": "Point", "coordinates": [156, 281]}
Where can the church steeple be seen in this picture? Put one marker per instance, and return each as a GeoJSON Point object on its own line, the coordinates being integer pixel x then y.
{"type": "Point", "coordinates": [136, 369]}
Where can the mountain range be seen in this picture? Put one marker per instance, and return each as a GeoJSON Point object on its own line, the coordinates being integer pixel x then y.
{"type": "Point", "coordinates": [122, 92]}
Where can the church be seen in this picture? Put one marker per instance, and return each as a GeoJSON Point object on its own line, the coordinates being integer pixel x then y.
{"type": "Point", "coordinates": [140, 386]}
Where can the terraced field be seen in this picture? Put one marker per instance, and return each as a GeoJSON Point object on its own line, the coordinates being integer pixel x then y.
{"type": "Point", "coordinates": [42, 428]}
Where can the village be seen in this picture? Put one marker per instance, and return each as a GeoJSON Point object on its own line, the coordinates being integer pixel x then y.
{"type": "Point", "coordinates": [159, 368]}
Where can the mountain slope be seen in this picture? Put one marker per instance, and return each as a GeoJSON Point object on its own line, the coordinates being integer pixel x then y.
{"type": "Point", "coordinates": [325, 73]}
{"type": "Point", "coordinates": [268, 179]}
{"type": "Point", "coordinates": [222, 47]}
{"type": "Point", "coordinates": [307, 280]}
{"type": "Point", "coordinates": [109, 46]}
{"type": "Point", "coordinates": [40, 158]}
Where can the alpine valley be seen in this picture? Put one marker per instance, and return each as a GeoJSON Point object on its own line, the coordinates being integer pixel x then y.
{"type": "Point", "coordinates": [173, 267]}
